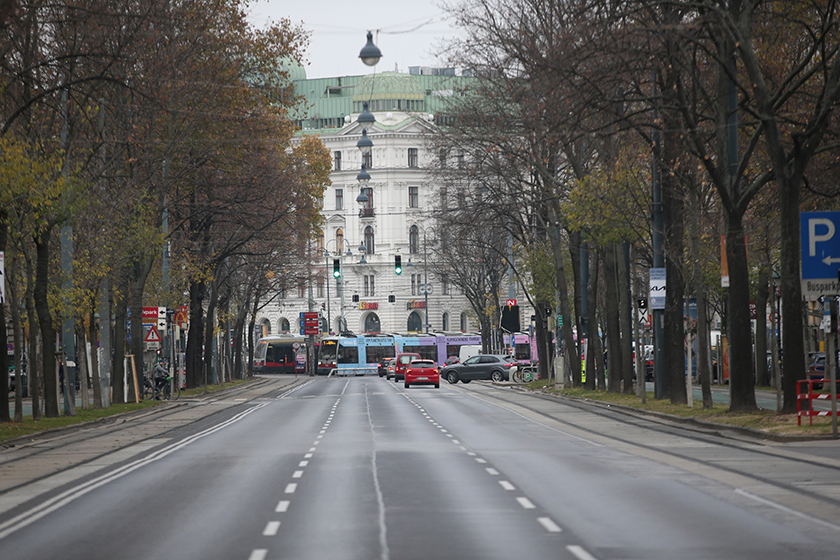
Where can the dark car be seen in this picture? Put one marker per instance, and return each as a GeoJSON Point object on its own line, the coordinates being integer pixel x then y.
{"type": "Point", "coordinates": [383, 366]}
{"type": "Point", "coordinates": [495, 367]}
{"type": "Point", "coordinates": [389, 368]}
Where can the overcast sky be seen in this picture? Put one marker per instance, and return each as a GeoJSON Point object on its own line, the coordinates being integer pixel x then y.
{"type": "Point", "coordinates": [410, 33]}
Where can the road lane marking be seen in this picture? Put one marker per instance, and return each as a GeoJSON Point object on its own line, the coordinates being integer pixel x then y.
{"type": "Point", "coordinates": [303, 463]}
{"type": "Point", "coordinates": [271, 528]}
{"type": "Point", "coordinates": [41, 510]}
{"type": "Point", "coordinates": [258, 554]}
{"type": "Point", "coordinates": [491, 470]}
{"type": "Point", "coordinates": [579, 552]}
{"type": "Point", "coordinates": [308, 456]}
{"type": "Point", "coordinates": [525, 503]}
{"type": "Point", "coordinates": [780, 507]}
{"type": "Point", "coordinates": [507, 485]}
{"type": "Point", "coordinates": [290, 488]}
{"type": "Point", "coordinates": [480, 460]}
{"type": "Point", "coordinates": [282, 506]}
{"type": "Point", "coordinates": [549, 525]}
{"type": "Point", "coordinates": [297, 474]}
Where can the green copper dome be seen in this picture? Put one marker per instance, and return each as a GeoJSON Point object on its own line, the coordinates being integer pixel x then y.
{"type": "Point", "coordinates": [388, 85]}
{"type": "Point", "coordinates": [293, 67]}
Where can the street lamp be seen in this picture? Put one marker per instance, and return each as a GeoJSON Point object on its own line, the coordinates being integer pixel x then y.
{"type": "Point", "coordinates": [370, 53]}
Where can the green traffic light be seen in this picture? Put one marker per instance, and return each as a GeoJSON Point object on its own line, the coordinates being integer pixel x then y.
{"type": "Point", "coordinates": [336, 268]}
{"type": "Point", "coordinates": [397, 264]}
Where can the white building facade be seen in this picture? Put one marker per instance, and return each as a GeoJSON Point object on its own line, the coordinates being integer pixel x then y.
{"type": "Point", "coordinates": [364, 241]}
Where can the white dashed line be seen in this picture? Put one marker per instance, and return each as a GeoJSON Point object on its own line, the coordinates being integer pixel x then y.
{"type": "Point", "coordinates": [480, 460]}
{"type": "Point", "coordinates": [258, 554]}
{"type": "Point", "coordinates": [297, 474]}
{"type": "Point", "coordinates": [525, 503]}
{"type": "Point", "coordinates": [456, 442]}
{"type": "Point", "coordinates": [282, 506]}
{"type": "Point", "coordinates": [290, 488]}
{"type": "Point", "coordinates": [271, 528]}
{"type": "Point", "coordinates": [303, 463]}
{"type": "Point", "coordinates": [549, 525]}
{"type": "Point", "coordinates": [308, 456]}
{"type": "Point", "coordinates": [579, 552]}
{"type": "Point", "coordinates": [491, 470]}
{"type": "Point", "coordinates": [471, 454]}
{"type": "Point", "coordinates": [507, 485]}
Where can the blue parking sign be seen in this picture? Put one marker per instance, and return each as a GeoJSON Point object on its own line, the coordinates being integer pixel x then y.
{"type": "Point", "coordinates": [820, 233]}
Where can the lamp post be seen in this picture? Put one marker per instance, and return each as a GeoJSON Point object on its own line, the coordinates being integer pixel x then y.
{"type": "Point", "coordinates": [327, 268]}
{"type": "Point", "coordinates": [425, 288]}
{"type": "Point", "coordinates": [340, 245]}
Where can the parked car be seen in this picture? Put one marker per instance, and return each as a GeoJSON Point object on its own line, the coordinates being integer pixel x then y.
{"type": "Point", "coordinates": [13, 381]}
{"type": "Point", "coordinates": [401, 363]}
{"type": "Point", "coordinates": [422, 372]}
{"type": "Point", "coordinates": [451, 360]}
{"type": "Point", "coordinates": [495, 367]}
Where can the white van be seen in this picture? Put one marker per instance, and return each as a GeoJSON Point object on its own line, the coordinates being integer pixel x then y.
{"type": "Point", "coordinates": [468, 351]}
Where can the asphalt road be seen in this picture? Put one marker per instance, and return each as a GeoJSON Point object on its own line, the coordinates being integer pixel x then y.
{"type": "Point", "coordinates": [361, 468]}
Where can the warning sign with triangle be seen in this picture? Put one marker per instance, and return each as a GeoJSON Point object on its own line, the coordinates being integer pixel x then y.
{"type": "Point", "coordinates": [152, 336]}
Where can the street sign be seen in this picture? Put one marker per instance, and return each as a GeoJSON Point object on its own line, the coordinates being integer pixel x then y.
{"type": "Point", "coordinates": [657, 288]}
{"type": "Point", "coordinates": [820, 238]}
{"type": "Point", "coordinates": [152, 336]}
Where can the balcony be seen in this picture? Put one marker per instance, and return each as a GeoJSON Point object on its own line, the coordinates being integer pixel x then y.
{"type": "Point", "coordinates": [367, 213]}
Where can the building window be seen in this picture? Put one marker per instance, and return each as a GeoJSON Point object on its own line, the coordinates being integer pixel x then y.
{"type": "Point", "coordinates": [367, 160]}
{"type": "Point", "coordinates": [301, 291]}
{"type": "Point", "coordinates": [369, 240]}
{"type": "Point", "coordinates": [460, 160]}
{"type": "Point", "coordinates": [413, 197]}
{"type": "Point", "coordinates": [414, 240]}
{"type": "Point", "coordinates": [339, 199]}
{"type": "Point", "coordinates": [320, 285]}
{"type": "Point", "coordinates": [337, 156]}
{"type": "Point", "coordinates": [415, 280]}
{"type": "Point", "coordinates": [464, 322]}
{"type": "Point", "coordinates": [446, 321]}
{"type": "Point", "coordinates": [442, 158]}
{"type": "Point", "coordinates": [412, 157]}
{"type": "Point", "coordinates": [370, 286]}
{"type": "Point", "coordinates": [444, 284]}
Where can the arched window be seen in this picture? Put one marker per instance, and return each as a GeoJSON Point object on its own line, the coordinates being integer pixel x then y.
{"type": "Point", "coordinates": [369, 240]}
{"type": "Point", "coordinates": [284, 326]}
{"type": "Point", "coordinates": [446, 321]}
{"type": "Point", "coordinates": [464, 323]}
{"type": "Point", "coordinates": [414, 240]}
{"type": "Point", "coordinates": [415, 322]}
{"type": "Point", "coordinates": [339, 239]}
{"type": "Point", "coordinates": [372, 323]}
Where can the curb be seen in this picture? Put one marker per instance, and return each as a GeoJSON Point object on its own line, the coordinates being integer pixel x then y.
{"type": "Point", "coordinates": [717, 427]}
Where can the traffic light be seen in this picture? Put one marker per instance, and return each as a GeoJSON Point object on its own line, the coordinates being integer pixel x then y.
{"type": "Point", "coordinates": [336, 268]}
{"type": "Point", "coordinates": [397, 264]}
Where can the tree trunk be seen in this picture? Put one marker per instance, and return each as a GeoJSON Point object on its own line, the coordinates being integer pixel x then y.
{"type": "Point", "coordinates": [793, 345]}
{"type": "Point", "coordinates": [570, 349]}
{"type": "Point", "coordinates": [704, 372]}
{"type": "Point", "coordinates": [742, 386]}
{"type": "Point", "coordinates": [4, 356]}
{"type": "Point", "coordinates": [195, 335]}
{"type": "Point", "coordinates": [94, 360]}
{"type": "Point", "coordinates": [42, 307]}
{"type": "Point", "coordinates": [762, 294]}
{"type": "Point", "coordinates": [612, 319]}
{"type": "Point", "coordinates": [142, 267]}
{"type": "Point", "coordinates": [35, 377]}
{"type": "Point", "coordinates": [82, 363]}
{"type": "Point", "coordinates": [626, 314]}
{"type": "Point", "coordinates": [594, 355]}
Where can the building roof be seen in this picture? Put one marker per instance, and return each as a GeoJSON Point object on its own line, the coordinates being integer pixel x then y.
{"type": "Point", "coordinates": [327, 101]}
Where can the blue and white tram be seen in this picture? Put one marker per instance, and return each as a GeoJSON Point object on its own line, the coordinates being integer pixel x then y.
{"type": "Point", "coordinates": [354, 355]}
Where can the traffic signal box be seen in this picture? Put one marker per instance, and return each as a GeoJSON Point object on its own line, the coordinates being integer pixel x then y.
{"type": "Point", "coordinates": [397, 264]}
{"type": "Point", "coordinates": [336, 268]}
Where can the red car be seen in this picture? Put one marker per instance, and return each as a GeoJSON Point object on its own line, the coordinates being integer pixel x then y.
{"type": "Point", "coordinates": [401, 364]}
{"type": "Point", "coordinates": [422, 372]}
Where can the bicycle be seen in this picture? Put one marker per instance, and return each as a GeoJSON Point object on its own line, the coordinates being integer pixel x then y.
{"type": "Point", "coordinates": [162, 387]}
{"type": "Point", "coordinates": [523, 374]}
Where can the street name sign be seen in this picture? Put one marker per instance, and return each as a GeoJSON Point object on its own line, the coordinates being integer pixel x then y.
{"type": "Point", "coordinates": [820, 238]}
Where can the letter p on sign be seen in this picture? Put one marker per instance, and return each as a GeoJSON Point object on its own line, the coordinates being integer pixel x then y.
{"type": "Point", "coordinates": [813, 238]}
